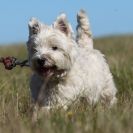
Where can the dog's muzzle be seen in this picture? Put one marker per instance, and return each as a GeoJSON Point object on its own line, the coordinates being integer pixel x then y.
{"type": "Point", "coordinates": [47, 68]}
{"type": "Point", "coordinates": [41, 62]}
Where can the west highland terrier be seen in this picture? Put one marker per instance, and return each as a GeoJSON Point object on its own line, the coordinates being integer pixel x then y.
{"type": "Point", "coordinates": [66, 69]}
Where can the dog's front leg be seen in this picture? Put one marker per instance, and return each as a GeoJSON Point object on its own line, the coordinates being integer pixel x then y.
{"type": "Point", "coordinates": [39, 112]}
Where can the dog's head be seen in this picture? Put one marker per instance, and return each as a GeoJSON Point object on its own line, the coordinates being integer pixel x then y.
{"type": "Point", "coordinates": [51, 48]}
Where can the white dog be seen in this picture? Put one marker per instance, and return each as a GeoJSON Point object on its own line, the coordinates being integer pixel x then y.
{"type": "Point", "coordinates": [65, 70]}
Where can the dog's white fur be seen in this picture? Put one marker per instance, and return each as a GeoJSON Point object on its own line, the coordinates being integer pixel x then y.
{"type": "Point", "coordinates": [81, 71]}
{"type": "Point", "coordinates": [84, 34]}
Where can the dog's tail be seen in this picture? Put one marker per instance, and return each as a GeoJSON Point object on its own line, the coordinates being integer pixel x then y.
{"type": "Point", "coordinates": [84, 35]}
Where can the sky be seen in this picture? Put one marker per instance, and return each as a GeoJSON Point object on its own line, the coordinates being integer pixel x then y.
{"type": "Point", "coordinates": [107, 17]}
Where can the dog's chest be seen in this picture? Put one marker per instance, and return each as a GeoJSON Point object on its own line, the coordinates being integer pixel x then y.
{"type": "Point", "coordinates": [60, 92]}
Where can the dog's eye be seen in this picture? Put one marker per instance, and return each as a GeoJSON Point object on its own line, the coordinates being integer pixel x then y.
{"type": "Point", "coordinates": [54, 48]}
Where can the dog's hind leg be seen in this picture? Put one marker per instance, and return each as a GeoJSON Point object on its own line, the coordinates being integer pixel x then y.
{"type": "Point", "coordinates": [84, 35]}
{"type": "Point", "coordinates": [108, 95]}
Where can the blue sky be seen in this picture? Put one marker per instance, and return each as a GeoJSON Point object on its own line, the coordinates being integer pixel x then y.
{"type": "Point", "coordinates": [107, 17]}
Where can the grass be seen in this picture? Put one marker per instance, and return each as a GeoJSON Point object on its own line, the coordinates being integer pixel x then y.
{"type": "Point", "coordinates": [15, 96]}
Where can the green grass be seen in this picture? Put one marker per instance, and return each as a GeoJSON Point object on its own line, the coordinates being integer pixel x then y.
{"type": "Point", "coordinates": [15, 96]}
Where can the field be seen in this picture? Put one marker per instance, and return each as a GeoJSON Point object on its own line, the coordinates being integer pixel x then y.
{"type": "Point", "coordinates": [15, 96]}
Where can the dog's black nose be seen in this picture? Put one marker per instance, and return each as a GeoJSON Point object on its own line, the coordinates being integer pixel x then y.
{"type": "Point", "coordinates": [41, 62]}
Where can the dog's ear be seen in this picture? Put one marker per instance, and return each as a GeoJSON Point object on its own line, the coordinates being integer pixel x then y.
{"type": "Point", "coordinates": [34, 26]}
{"type": "Point", "coordinates": [63, 25]}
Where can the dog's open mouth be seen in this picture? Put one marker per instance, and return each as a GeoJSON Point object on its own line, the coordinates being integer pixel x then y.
{"type": "Point", "coordinates": [51, 71]}
{"type": "Point", "coordinates": [47, 71]}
